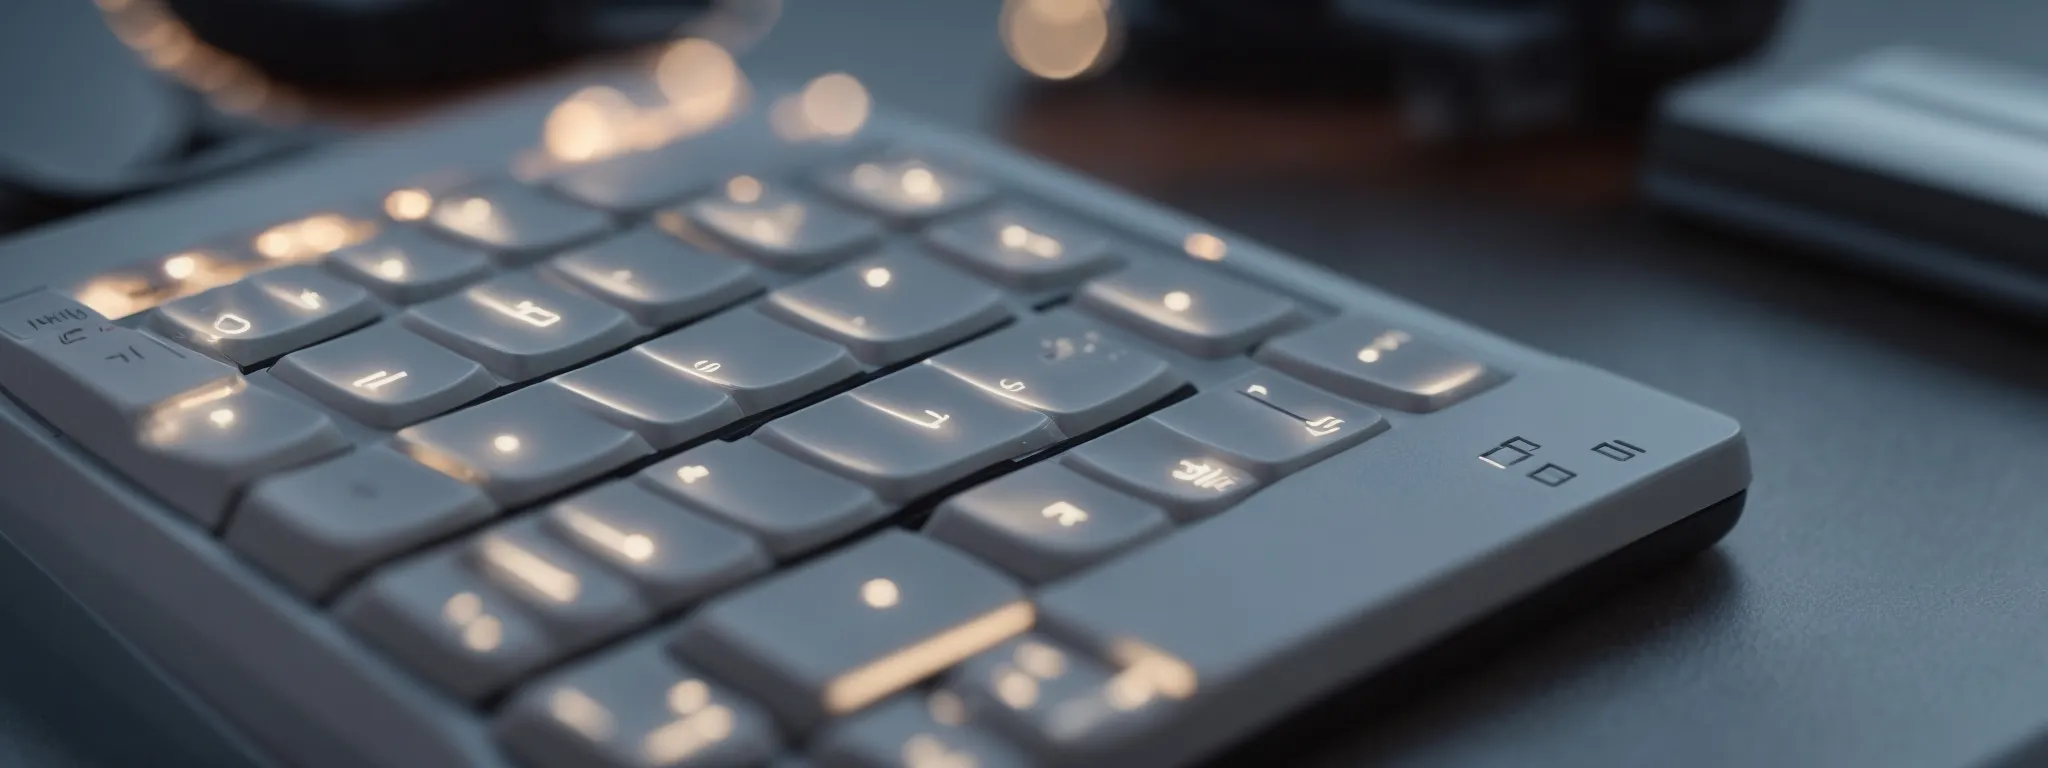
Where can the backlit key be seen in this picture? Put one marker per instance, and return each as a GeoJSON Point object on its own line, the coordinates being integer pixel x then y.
{"type": "Point", "coordinates": [266, 315]}
{"type": "Point", "coordinates": [903, 188]}
{"type": "Point", "coordinates": [384, 376]}
{"type": "Point", "coordinates": [521, 327]}
{"type": "Point", "coordinates": [1155, 463]}
{"type": "Point", "coordinates": [406, 266]}
{"type": "Point", "coordinates": [523, 446]}
{"type": "Point", "coordinates": [673, 555]}
{"type": "Point", "coordinates": [516, 222]}
{"type": "Point", "coordinates": [656, 278]}
{"type": "Point", "coordinates": [779, 229]}
{"type": "Point", "coordinates": [1189, 307]}
{"type": "Point", "coordinates": [634, 708]}
{"type": "Point", "coordinates": [1271, 424]}
{"type": "Point", "coordinates": [445, 622]}
{"type": "Point", "coordinates": [1370, 360]}
{"type": "Point", "coordinates": [761, 363]}
{"type": "Point", "coordinates": [1062, 365]}
{"type": "Point", "coordinates": [1024, 248]}
{"type": "Point", "coordinates": [890, 308]}
{"type": "Point", "coordinates": [576, 598]}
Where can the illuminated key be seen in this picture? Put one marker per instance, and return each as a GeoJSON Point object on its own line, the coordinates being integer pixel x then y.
{"type": "Point", "coordinates": [444, 621]}
{"type": "Point", "coordinates": [576, 598]}
{"type": "Point", "coordinates": [656, 278]}
{"type": "Point", "coordinates": [674, 556]}
{"type": "Point", "coordinates": [633, 708]}
{"type": "Point", "coordinates": [890, 308]}
{"type": "Point", "coordinates": [522, 446]}
{"type": "Point", "coordinates": [521, 327]}
{"type": "Point", "coordinates": [854, 627]}
{"type": "Point", "coordinates": [1270, 424]}
{"type": "Point", "coordinates": [781, 230]}
{"type": "Point", "coordinates": [1044, 522]}
{"type": "Point", "coordinates": [918, 731]}
{"type": "Point", "coordinates": [904, 189]}
{"type": "Point", "coordinates": [384, 376]}
{"type": "Point", "coordinates": [1061, 364]}
{"type": "Point", "coordinates": [1064, 707]}
{"type": "Point", "coordinates": [197, 452]}
{"type": "Point", "coordinates": [406, 266]}
{"type": "Point", "coordinates": [761, 363]}
{"type": "Point", "coordinates": [516, 222]}
{"type": "Point", "coordinates": [90, 378]}
{"type": "Point", "coordinates": [791, 507]}
{"type": "Point", "coordinates": [1024, 248]}
{"type": "Point", "coordinates": [267, 315]}
{"type": "Point", "coordinates": [909, 433]}
{"type": "Point", "coordinates": [665, 406]}
{"type": "Point", "coordinates": [1370, 360]}
{"type": "Point", "coordinates": [1155, 463]}
{"type": "Point", "coordinates": [1189, 307]}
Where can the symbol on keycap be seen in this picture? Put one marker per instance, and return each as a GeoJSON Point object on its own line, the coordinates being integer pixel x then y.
{"type": "Point", "coordinates": [705, 366]}
{"type": "Point", "coordinates": [309, 299]}
{"type": "Point", "coordinates": [1015, 237]}
{"type": "Point", "coordinates": [699, 723]}
{"type": "Point", "coordinates": [123, 356]}
{"type": "Point", "coordinates": [70, 336]}
{"type": "Point", "coordinates": [880, 593]}
{"type": "Point", "coordinates": [525, 311]}
{"type": "Point", "coordinates": [1510, 452]}
{"type": "Point", "coordinates": [1256, 389]}
{"type": "Point", "coordinates": [1322, 426]}
{"type": "Point", "coordinates": [690, 473]}
{"type": "Point", "coordinates": [1204, 475]}
{"type": "Point", "coordinates": [1618, 450]}
{"type": "Point", "coordinates": [1066, 514]}
{"type": "Point", "coordinates": [1178, 301]}
{"type": "Point", "coordinates": [232, 325]}
{"type": "Point", "coordinates": [481, 631]}
{"type": "Point", "coordinates": [1382, 344]}
{"type": "Point", "coordinates": [376, 381]}
{"type": "Point", "coordinates": [1010, 385]}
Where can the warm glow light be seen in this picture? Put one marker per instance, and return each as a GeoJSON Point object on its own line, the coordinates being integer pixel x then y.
{"type": "Point", "coordinates": [743, 189]}
{"type": "Point", "coordinates": [1016, 689]}
{"type": "Point", "coordinates": [586, 125]}
{"type": "Point", "coordinates": [688, 696]}
{"type": "Point", "coordinates": [884, 676]}
{"type": "Point", "coordinates": [221, 417]}
{"type": "Point", "coordinates": [1178, 301]}
{"type": "Point", "coordinates": [946, 708]}
{"type": "Point", "coordinates": [115, 297]}
{"type": "Point", "coordinates": [180, 266]}
{"type": "Point", "coordinates": [315, 235]}
{"type": "Point", "coordinates": [1058, 39]}
{"type": "Point", "coordinates": [481, 632]}
{"type": "Point", "coordinates": [879, 593]}
{"type": "Point", "coordinates": [1042, 661]}
{"type": "Point", "coordinates": [702, 82]}
{"type": "Point", "coordinates": [876, 277]}
{"type": "Point", "coordinates": [636, 547]}
{"type": "Point", "coordinates": [505, 443]}
{"type": "Point", "coordinates": [1205, 246]}
{"type": "Point", "coordinates": [835, 104]}
{"type": "Point", "coordinates": [408, 204]}
{"type": "Point", "coordinates": [920, 185]}
{"type": "Point", "coordinates": [391, 268]}
{"type": "Point", "coordinates": [548, 579]}
{"type": "Point", "coordinates": [585, 715]}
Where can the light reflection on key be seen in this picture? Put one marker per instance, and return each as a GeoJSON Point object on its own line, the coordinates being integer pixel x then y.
{"type": "Point", "coordinates": [312, 237]}
{"type": "Point", "coordinates": [904, 189]}
{"type": "Point", "coordinates": [544, 577]}
{"type": "Point", "coordinates": [633, 708]}
{"type": "Point", "coordinates": [780, 229]}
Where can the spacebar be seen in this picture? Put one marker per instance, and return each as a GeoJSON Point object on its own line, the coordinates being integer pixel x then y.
{"type": "Point", "coordinates": [1373, 554]}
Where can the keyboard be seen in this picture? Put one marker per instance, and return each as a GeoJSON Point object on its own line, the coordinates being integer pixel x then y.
{"type": "Point", "coordinates": [868, 445]}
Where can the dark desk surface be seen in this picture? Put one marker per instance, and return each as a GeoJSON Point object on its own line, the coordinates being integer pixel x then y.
{"type": "Point", "coordinates": [1881, 602]}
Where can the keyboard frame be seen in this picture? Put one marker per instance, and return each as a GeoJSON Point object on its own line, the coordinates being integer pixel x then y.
{"type": "Point", "coordinates": [220, 634]}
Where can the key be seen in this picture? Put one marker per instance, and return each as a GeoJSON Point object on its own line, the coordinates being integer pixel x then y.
{"type": "Point", "coordinates": [1061, 365]}
{"type": "Point", "coordinates": [1188, 307]}
{"type": "Point", "coordinates": [910, 730]}
{"type": "Point", "coordinates": [197, 452]}
{"type": "Point", "coordinates": [854, 627]}
{"type": "Point", "coordinates": [440, 618]}
{"type": "Point", "coordinates": [40, 314]}
{"type": "Point", "coordinates": [791, 507]}
{"type": "Point", "coordinates": [1370, 360]}
{"type": "Point", "coordinates": [903, 189]}
{"type": "Point", "coordinates": [384, 376]}
{"type": "Point", "coordinates": [1270, 424]}
{"type": "Point", "coordinates": [656, 278]}
{"type": "Point", "coordinates": [311, 237]}
{"type": "Point", "coordinates": [890, 308]}
{"type": "Point", "coordinates": [520, 327]}
{"type": "Point", "coordinates": [406, 266]}
{"type": "Point", "coordinates": [267, 315]}
{"type": "Point", "coordinates": [1024, 248]}
{"type": "Point", "coordinates": [1064, 707]}
{"type": "Point", "coordinates": [522, 446]}
{"type": "Point", "coordinates": [641, 181]}
{"type": "Point", "coordinates": [1146, 459]}
{"type": "Point", "coordinates": [90, 378]}
{"type": "Point", "coordinates": [634, 708]}
{"type": "Point", "coordinates": [910, 433]}
{"type": "Point", "coordinates": [317, 527]}
{"type": "Point", "coordinates": [781, 230]}
{"type": "Point", "coordinates": [1044, 522]}
{"type": "Point", "coordinates": [665, 406]}
{"type": "Point", "coordinates": [761, 363]}
{"type": "Point", "coordinates": [575, 600]}
{"type": "Point", "coordinates": [674, 556]}
{"type": "Point", "coordinates": [515, 222]}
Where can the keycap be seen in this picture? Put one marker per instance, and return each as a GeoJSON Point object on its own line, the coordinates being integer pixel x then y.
{"type": "Point", "coordinates": [665, 406]}
{"type": "Point", "coordinates": [1189, 307]}
{"type": "Point", "coordinates": [1155, 463]}
{"type": "Point", "coordinates": [93, 379]}
{"type": "Point", "coordinates": [1368, 359]}
{"type": "Point", "coordinates": [790, 507]}
{"type": "Point", "coordinates": [1270, 424]}
{"type": "Point", "coordinates": [574, 598]}
{"type": "Point", "coordinates": [761, 363]}
{"type": "Point", "coordinates": [674, 556]}
{"type": "Point", "coordinates": [1063, 366]}
{"type": "Point", "coordinates": [384, 376]}
{"type": "Point", "coordinates": [1044, 522]}
{"type": "Point", "coordinates": [634, 183]}
{"type": "Point", "coordinates": [1062, 706]}
{"type": "Point", "coordinates": [38, 314]}
{"type": "Point", "coordinates": [316, 527]}
{"type": "Point", "coordinates": [909, 433]}
{"type": "Point", "coordinates": [266, 315]}
{"type": "Point", "coordinates": [1024, 248]}
{"type": "Point", "coordinates": [406, 266]}
{"type": "Point", "coordinates": [443, 621]}
{"type": "Point", "coordinates": [522, 446]}
{"type": "Point", "coordinates": [909, 730]}
{"type": "Point", "coordinates": [515, 222]}
{"type": "Point", "coordinates": [633, 708]}
{"type": "Point", "coordinates": [656, 278]}
{"type": "Point", "coordinates": [199, 451]}
{"type": "Point", "coordinates": [781, 230]}
{"type": "Point", "coordinates": [854, 627]}
{"type": "Point", "coordinates": [890, 308]}
{"type": "Point", "coordinates": [903, 188]}
{"type": "Point", "coordinates": [521, 327]}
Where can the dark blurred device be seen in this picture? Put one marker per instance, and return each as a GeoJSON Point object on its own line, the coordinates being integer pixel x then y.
{"type": "Point", "coordinates": [1461, 67]}
{"type": "Point", "coordinates": [1922, 161]}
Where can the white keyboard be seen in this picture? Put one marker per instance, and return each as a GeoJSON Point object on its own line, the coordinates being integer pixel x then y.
{"type": "Point", "coordinates": [884, 447]}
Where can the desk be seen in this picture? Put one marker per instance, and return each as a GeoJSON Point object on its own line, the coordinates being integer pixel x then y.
{"type": "Point", "coordinates": [1880, 604]}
